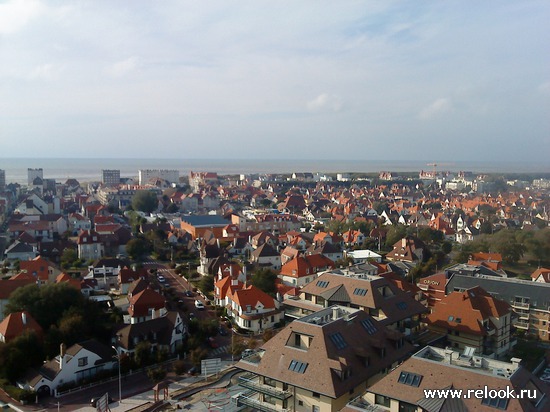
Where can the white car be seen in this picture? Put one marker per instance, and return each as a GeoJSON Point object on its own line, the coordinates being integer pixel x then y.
{"type": "Point", "coordinates": [161, 278]}
{"type": "Point", "coordinates": [199, 304]}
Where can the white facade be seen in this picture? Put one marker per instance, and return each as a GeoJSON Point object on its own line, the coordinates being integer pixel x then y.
{"type": "Point", "coordinates": [144, 175]}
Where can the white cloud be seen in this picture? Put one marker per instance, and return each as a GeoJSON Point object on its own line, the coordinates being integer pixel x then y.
{"type": "Point", "coordinates": [325, 102]}
{"type": "Point", "coordinates": [441, 105]}
{"type": "Point", "coordinates": [16, 14]}
{"type": "Point", "coordinates": [123, 67]}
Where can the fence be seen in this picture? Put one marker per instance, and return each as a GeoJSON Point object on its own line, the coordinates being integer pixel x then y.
{"type": "Point", "coordinates": [114, 378]}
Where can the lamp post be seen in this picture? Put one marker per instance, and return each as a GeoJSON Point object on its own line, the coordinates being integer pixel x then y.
{"type": "Point", "coordinates": [119, 375]}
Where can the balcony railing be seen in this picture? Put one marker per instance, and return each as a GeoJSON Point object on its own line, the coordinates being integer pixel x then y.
{"type": "Point", "coordinates": [520, 304]}
{"type": "Point", "coordinates": [248, 399]}
{"type": "Point", "coordinates": [251, 381]}
{"type": "Point", "coordinates": [522, 325]}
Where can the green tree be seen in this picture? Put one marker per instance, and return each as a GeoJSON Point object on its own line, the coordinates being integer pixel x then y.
{"type": "Point", "coordinates": [137, 248]}
{"type": "Point", "coordinates": [145, 201]}
{"type": "Point", "coordinates": [395, 233]}
{"type": "Point", "coordinates": [46, 304]}
{"type": "Point", "coordinates": [68, 258]}
{"type": "Point", "coordinates": [142, 355]}
{"type": "Point", "coordinates": [206, 284]}
{"type": "Point", "coordinates": [264, 279]}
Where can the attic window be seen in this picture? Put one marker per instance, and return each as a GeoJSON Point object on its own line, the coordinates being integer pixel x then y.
{"type": "Point", "coordinates": [360, 292]}
{"type": "Point", "coordinates": [322, 283]}
{"type": "Point", "coordinates": [338, 340]}
{"type": "Point", "coordinates": [298, 367]}
{"type": "Point", "coordinates": [498, 403]}
{"type": "Point", "coordinates": [369, 326]}
{"type": "Point", "coordinates": [401, 305]}
{"type": "Point", "coordinates": [458, 320]}
{"type": "Point", "coordinates": [450, 318]}
{"type": "Point", "coordinates": [411, 379]}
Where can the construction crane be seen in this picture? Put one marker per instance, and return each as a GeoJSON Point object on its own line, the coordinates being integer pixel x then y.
{"type": "Point", "coordinates": [434, 165]}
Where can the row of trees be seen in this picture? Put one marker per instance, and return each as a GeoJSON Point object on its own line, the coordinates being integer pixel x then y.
{"type": "Point", "coordinates": [65, 316]}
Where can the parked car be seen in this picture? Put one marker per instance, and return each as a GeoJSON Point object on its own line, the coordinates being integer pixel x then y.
{"type": "Point", "coordinates": [222, 331]}
{"type": "Point", "coordinates": [189, 294]}
{"type": "Point", "coordinates": [193, 371]}
{"type": "Point", "coordinates": [191, 316]}
{"type": "Point", "coordinates": [199, 305]}
{"type": "Point", "coordinates": [247, 352]}
{"type": "Point", "coordinates": [161, 278]}
{"type": "Point", "coordinates": [212, 342]}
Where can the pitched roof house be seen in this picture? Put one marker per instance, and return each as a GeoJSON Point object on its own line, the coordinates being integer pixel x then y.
{"type": "Point", "coordinates": [405, 388]}
{"type": "Point", "coordinates": [474, 319]}
{"type": "Point", "coordinates": [16, 324]}
{"type": "Point", "coordinates": [303, 269]}
{"type": "Point", "coordinates": [320, 362]}
{"type": "Point", "coordinates": [378, 296]}
{"type": "Point", "coordinates": [145, 305]}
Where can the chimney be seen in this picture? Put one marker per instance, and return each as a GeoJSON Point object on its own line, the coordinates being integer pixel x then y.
{"type": "Point", "coordinates": [61, 355]}
{"type": "Point", "coordinates": [403, 242]}
{"type": "Point", "coordinates": [335, 313]}
{"type": "Point", "coordinates": [24, 318]}
{"type": "Point", "coordinates": [448, 356]}
{"type": "Point", "coordinates": [152, 313]}
{"type": "Point", "coordinates": [515, 362]}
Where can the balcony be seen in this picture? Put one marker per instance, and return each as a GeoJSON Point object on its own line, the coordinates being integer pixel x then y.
{"type": "Point", "coordinates": [252, 381]}
{"type": "Point", "coordinates": [247, 399]}
{"type": "Point", "coordinates": [524, 305]}
{"type": "Point", "coordinates": [522, 325]}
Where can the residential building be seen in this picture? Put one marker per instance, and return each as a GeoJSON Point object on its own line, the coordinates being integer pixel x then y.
{"type": "Point", "coordinates": [145, 175]}
{"type": "Point", "coordinates": [165, 332]}
{"type": "Point", "coordinates": [2, 180]}
{"type": "Point", "coordinates": [77, 363]}
{"type": "Point", "coordinates": [377, 296]}
{"type": "Point", "coordinates": [89, 245]}
{"type": "Point", "coordinates": [32, 174]}
{"type": "Point", "coordinates": [475, 319]}
{"type": "Point", "coordinates": [197, 225]}
{"type": "Point", "coordinates": [250, 308]}
{"type": "Point", "coordinates": [301, 270]}
{"type": "Point", "coordinates": [145, 305]}
{"type": "Point", "coordinates": [541, 275]}
{"type": "Point", "coordinates": [530, 301]}
{"type": "Point", "coordinates": [18, 323]}
{"type": "Point", "coordinates": [319, 362]}
{"type": "Point", "coordinates": [405, 388]}
{"type": "Point", "coordinates": [110, 177]}
{"type": "Point", "coordinates": [409, 249]}
{"type": "Point", "coordinates": [266, 256]}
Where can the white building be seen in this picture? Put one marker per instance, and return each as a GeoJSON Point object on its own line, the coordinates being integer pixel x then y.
{"type": "Point", "coordinates": [144, 175]}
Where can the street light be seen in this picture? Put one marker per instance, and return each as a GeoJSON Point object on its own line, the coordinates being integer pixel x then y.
{"type": "Point", "coordinates": [119, 375]}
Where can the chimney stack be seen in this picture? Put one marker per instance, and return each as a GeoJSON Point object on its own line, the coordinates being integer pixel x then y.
{"type": "Point", "coordinates": [61, 355]}
{"type": "Point", "coordinates": [24, 318]}
{"type": "Point", "coordinates": [335, 313]}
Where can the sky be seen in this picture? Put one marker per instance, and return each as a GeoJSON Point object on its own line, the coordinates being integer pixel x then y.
{"type": "Point", "coordinates": [373, 80]}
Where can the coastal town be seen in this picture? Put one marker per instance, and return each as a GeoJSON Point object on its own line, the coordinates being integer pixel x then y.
{"type": "Point", "coordinates": [320, 291]}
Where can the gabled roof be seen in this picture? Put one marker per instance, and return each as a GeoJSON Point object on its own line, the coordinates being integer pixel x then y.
{"type": "Point", "coordinates": [466, 311]}
{"type": "Point", "coordinates": [340, 354]}
{"type": "Point", "coordinates": [251, 295]}
{"type": "Point", "coordinates": [7, 287]}
{"type": "Point", "coordinates": [145, 300]}
{"type": "Point", "coordinates": [17, 323]}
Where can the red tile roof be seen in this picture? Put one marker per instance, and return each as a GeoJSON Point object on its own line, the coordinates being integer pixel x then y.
{"type": "Point", "coordinates": [15, 324]}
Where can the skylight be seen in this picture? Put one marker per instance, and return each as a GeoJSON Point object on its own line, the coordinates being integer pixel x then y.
{"type": "Point", "coordinates": [409, 378]}
{"type": "Point", "coordinates": [322, 283]}
{"type": "Point", "coordinates": [498, 403]}
{"type": "Point", "coordinates": [338, 340]}
{"type": "Point", "coordinates": [401, 305]}
{"type": "Point", "coordinates": [360, 292]}
{"type": "Point", "coordinates": [298, 367]}
{"type": "Point", "coordinates": [369, 326]}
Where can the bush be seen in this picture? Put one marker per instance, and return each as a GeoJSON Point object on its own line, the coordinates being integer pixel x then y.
{"type": "Point", "coordinates": [156, 375]}
{"type": "Point", "coordinates": [179, 367]}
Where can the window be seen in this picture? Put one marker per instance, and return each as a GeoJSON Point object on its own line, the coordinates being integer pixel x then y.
{"type": "Point", "coordinates": [498, 403]}
{"type": "Point", "coordinates": [338, 340]}
{"type": "Point", "coordinates": [409, 378]}
{"type": "Point", "coordinates": [298, 367]}
{"type": "Point", "coordinates": [458, 320]}
{"type": "Point", "coordinates": [407, 407]}
{"type": "Point", "coordinates": [83, 361]}
{"type": "Point", "coordinates": [322, 283]}
{"type": "Point", "coordinates": [369, 326]}
{"type": "Point", "coordinates": [360, 292]}
{"type": "Point", "coordinates": [401, 305]}
{"type": "Point", "coordinates": [301, 403]}
{"type": "Point", "coordinates": [315, 394]}
{"type": "Point", "coordinates": [451, 318]}
{"type": "Point", "coordinates": [382, 400]}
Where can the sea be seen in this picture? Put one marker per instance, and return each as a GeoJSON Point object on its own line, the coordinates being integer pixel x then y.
{"type": "Point", "coordinates": [89, 169]}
